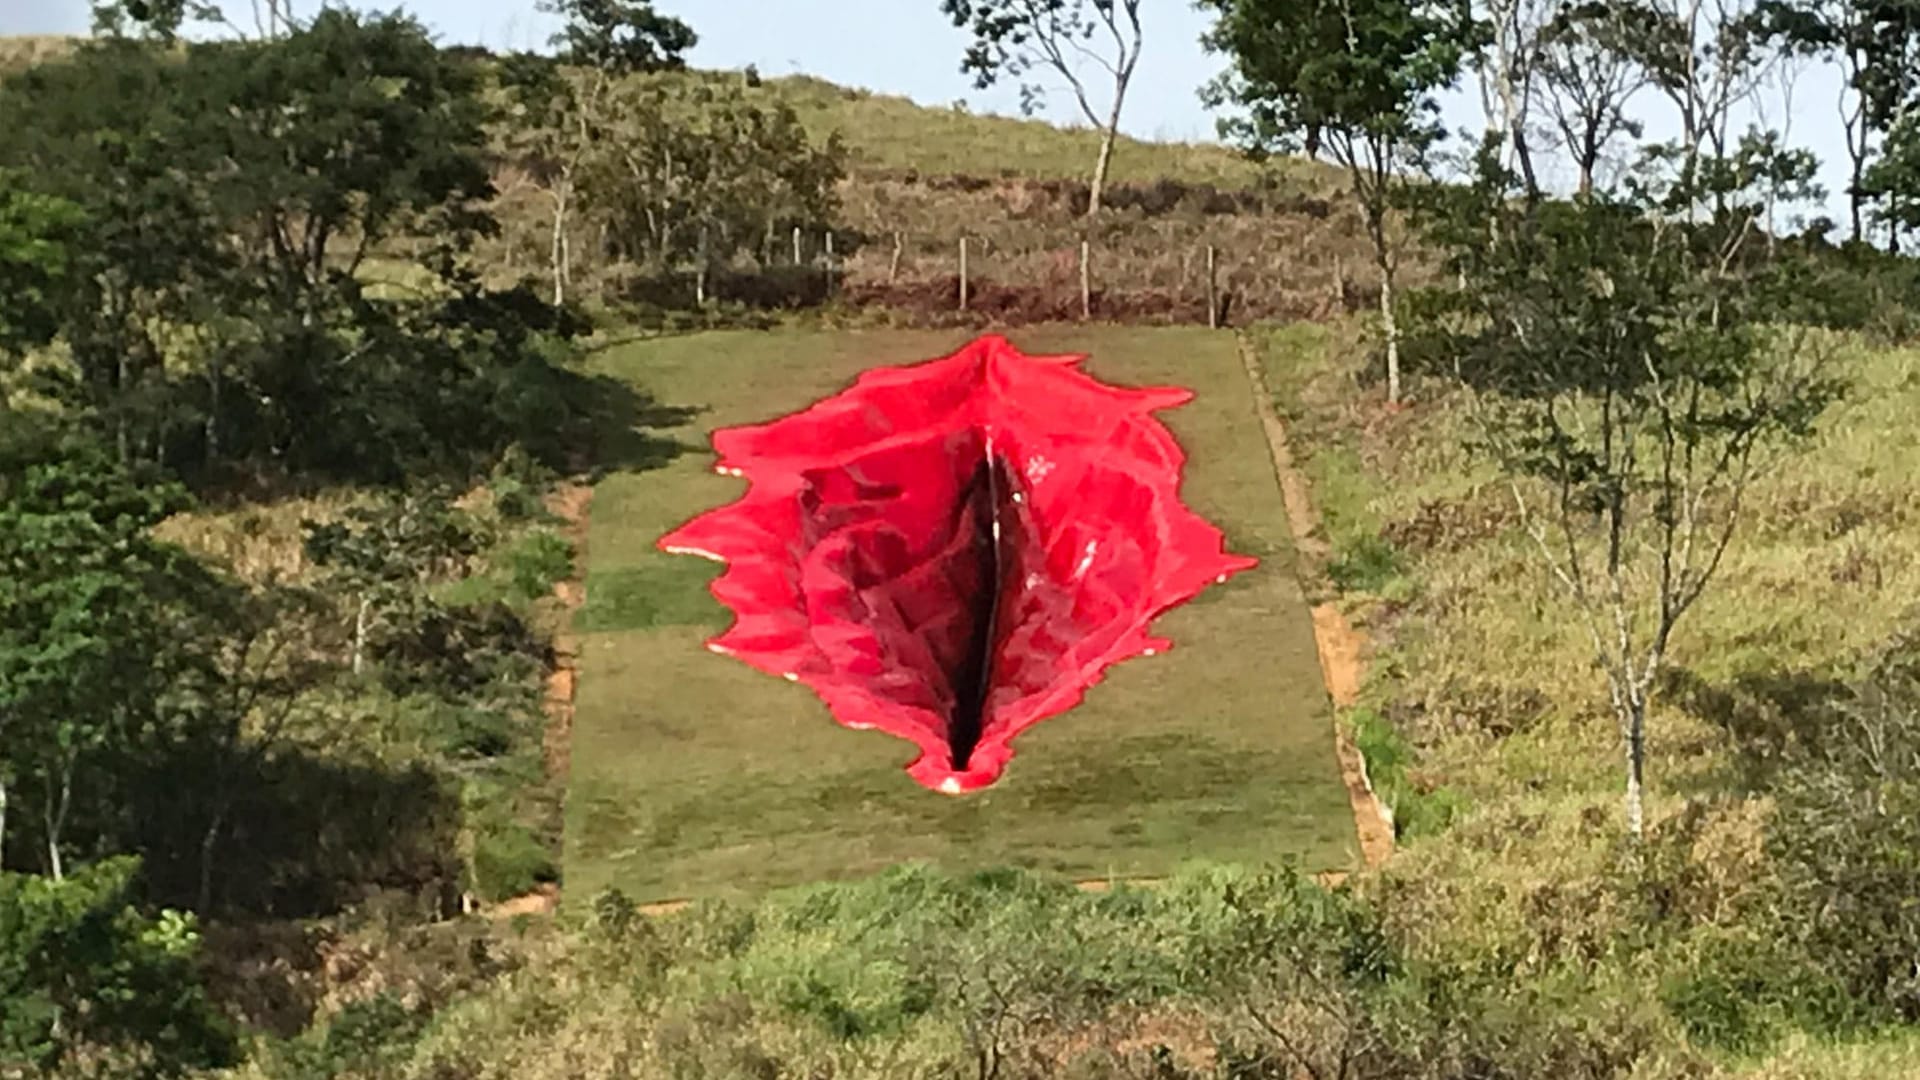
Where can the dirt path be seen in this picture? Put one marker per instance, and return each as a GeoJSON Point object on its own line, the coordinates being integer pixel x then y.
{"type": "Point", "coordinates": [569, 502]}
{"type": "Point", "coordinates": [1342, 648]}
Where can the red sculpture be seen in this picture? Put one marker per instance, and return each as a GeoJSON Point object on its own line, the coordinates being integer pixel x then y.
{"type": "Point", "coordinates": [953, 551]}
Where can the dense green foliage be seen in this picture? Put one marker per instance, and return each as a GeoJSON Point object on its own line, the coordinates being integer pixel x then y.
{"type": "Point", "coordinates": [1363, 79]}
{"type": "Point", "coordinates": [90, 986]}
{"type": "Point", "coordinates": [258, 754]}
{"type": "Point", "coordinates": [101, 651]}
{"type": "Point", "coordinates": [207, 286]}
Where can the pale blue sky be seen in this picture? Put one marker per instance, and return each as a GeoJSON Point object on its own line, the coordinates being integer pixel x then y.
{"type": "Point", "coordinates": [907, 47]}
{"type": "Point", "coordinates": [895, 46]}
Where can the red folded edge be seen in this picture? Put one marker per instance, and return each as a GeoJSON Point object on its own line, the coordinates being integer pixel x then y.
{"type": "Point", "coordinates": [851, 555]}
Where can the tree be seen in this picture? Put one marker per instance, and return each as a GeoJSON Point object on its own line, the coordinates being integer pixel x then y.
{"type": "Point", "coordinates": [232, 194]}
{"type": "Point", "coordinates": [1588, 76]}
{"type": "Point", "coordinates": [1876, 44]}
{"type": "Point", "coordinates": [383, 556]}
{"type": "Point", "coordinates": [550, 126]}
{"type": "Point", "coordinates": [35, 263]}
{"type": "Point", "coordinates": [1361, 72]}
{"type": "Point", "coordinates": [99, 621]}
{"type": "Point", "coordinates": [1894, 179]}
{"type": "Point", "coordinates": [1505, 63]}
{"type": "Point", "coordinates": [90, 986]}
{"type": "Point", "coordinates": [619, 36]}
{"type": "Point", "coordinates": [103, 131]}
{"type": "Point", "coordinates": [1015, 37]}
{"type": "Point", "coordinates": [696, 173]}
{"type": "Point", "coordinates": [1625, 370]}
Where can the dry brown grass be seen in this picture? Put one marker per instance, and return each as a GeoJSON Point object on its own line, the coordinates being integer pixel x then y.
{"type": "Point", "coordinates": [259, 542]}
{"type": "Point", "coordinates": [21, 51]}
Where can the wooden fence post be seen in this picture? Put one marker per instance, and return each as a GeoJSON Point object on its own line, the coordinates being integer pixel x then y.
{"type": "Point", "coordinates": [830, 266]}
{"type": "Point", "coordinates": [1213, 293]}
{"type": "Point", "coordinates": [893, 268]}
{"type": "Point", "coordinates": [1086, 281]}
{"type": "Point", "coordinates": [963, 273]}
{"type": "Point", "coordinates": [796, 245]}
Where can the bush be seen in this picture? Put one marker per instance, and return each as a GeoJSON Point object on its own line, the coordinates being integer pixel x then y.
{"type": "Point", "coordinates": [90, 985]}
{"type": "Point", "coordinates": [363, 1038]}
{"type": "Point", "coordinates": [463, 653]}
{"type": "Point", "coordinates": [517, 483]}
{"type": "Point", "coordinates": [1367, 563]}
{"type": "Point", "coordinates": [538, 562]}
{"type": "Point", "coordinates": [1852, 287]}
{"type": "Point", "coordinates": [1389, 757]}
{"type": "Point", "coordinates": [509, 861]}
{"type": "Point", "coordinates": [1728, 997]}
{"type": "Point", "coordinates": [1846, 836]}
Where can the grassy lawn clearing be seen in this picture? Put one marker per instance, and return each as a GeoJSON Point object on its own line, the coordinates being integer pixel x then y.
{"type": "Point", "coordinates": [692, 774]}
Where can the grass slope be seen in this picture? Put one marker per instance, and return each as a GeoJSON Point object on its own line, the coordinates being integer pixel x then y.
{"type": "Point", "coordinates": [884, 132]}
{"type": "Point", "coordinates": [1483, 668]}
{"type": "Point", "coordinates": [693, 774]}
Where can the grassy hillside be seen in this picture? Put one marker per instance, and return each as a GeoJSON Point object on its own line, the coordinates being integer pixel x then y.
{"type": "Point", "coordinates": [1287, 244]}
{"type": "Point", "coordinates": [1482, 668]}
{"type": "Point", "coordinates": [1515, 934]}
{"type": "Point", "coordinates": [693, 774]}
{"type": "Point", "coordinates": [21, 51]}
{"type": "Point", "coordinates": [888, 133]}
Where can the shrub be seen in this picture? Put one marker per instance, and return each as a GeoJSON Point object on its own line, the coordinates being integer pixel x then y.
{"type": "Point", "coordinates": [540, 560]}
{"type": "Point", "coordinates": [1367, 563]}
{"type": "Point", "coordinates": [462, 653]}
{"type": "Point", "coordinates": [517, 482]}
{"type": "Point", "coordinates": [90, 985]}
{"type": "Point", "coordinates": [1389, 757]}
{"type": "Point", "coordinates": [362, 1039]}
{"type": "Point", "coordinates": [1846, 836]}
{"type": "Point", "coordinates": [509, 861]}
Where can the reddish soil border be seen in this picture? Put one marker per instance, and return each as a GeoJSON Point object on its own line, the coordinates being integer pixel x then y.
{"type": "Point", "coordinates": [1343, 649]}
{"type": "Point", "coordinates": [569, 502]}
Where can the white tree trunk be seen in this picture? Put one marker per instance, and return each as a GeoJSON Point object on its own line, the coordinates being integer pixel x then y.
{"type": "Point", "coordinates": [360, 633]}
{"type": "Point", "coordinates": [3, 822]}
{"type": "Point", "coordinates": [208, 841]}
{"type": "Point", "coordinates": [558, 255]}
{"type": "Point", "coordinates": [57, 821]}
{"type": "Point", "coordinates": [1636, 750]}
{"type": "Point", "coordinates": [1392, 327]}
{"type": "Point", "coordinates": [1105, 162]}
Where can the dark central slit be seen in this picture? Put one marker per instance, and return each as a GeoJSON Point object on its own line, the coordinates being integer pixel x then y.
{"type": "Point", "coordinates": [971, 683]}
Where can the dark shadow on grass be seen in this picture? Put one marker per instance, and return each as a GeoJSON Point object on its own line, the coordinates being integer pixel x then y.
{"type": "Point", "coordinates": [629, 426]}
{"type": "Point", "coordinates": [294, 834]}
{"type": "Point", "coordinates": [1772, 717]}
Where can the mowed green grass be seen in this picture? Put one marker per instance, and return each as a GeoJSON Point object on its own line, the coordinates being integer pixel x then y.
{"type": "Point", "coordinates": [694, 775]}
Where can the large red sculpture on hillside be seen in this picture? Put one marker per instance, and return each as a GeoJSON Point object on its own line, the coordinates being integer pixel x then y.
{"type": "Point", "coordinates": [953, 551]}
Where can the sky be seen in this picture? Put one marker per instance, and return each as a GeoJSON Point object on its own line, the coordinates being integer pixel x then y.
{"type": "Point", "coordinates": [908, 47]}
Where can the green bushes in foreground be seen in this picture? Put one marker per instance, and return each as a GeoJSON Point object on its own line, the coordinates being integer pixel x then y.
{"type": "Point", "coordinates": [1221, 971]}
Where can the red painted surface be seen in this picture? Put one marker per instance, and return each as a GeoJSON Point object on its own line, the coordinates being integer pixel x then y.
{"type": "Point", "coordinates": [864, 560]}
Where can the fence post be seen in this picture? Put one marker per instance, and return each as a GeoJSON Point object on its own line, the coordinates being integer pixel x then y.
{"type": "Point", "coordinates": [963, 273]}
{"type": "Point", "coordinates": [1086, 280]}
{"type": "Point", "coordinates": [893, 268]}
{"type": "Point", "coordinates": [796, 245]}
{"type": "Point", "coordinates": [830, 266]}
{"type": "Point", "coordinates": [1213, 294]}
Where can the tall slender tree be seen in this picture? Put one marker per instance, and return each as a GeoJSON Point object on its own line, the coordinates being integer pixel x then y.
{"type": "Point", "coordinates": [1361, 73]}
{"type": "Point", "coordinates": [1015, 38]}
